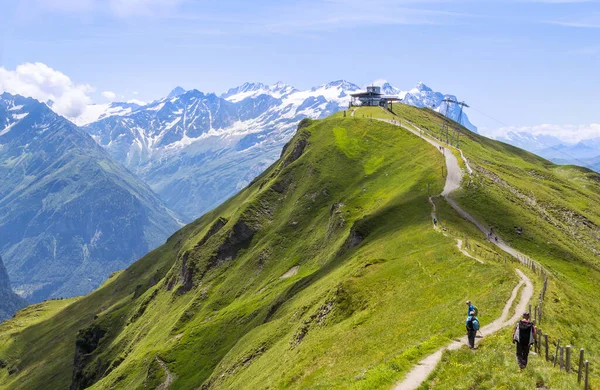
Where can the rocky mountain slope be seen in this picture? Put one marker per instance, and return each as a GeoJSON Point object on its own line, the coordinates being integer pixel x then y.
{"type": "Point", "coordinates": [69, 214]}
{"type": "Point", "coordinates": [9, 301]}
{"type": "Point", "coordinates": [195, 149]}
{"type": "Point", "coordinates": [266, 290]}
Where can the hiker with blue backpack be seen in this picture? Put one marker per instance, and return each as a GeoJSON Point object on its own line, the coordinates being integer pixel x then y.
{"type": "Point", "coordinates": [472, 325]}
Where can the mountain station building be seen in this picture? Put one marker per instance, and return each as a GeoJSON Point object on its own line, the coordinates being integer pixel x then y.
{"type": "Point", "coordinates": [373, 97]}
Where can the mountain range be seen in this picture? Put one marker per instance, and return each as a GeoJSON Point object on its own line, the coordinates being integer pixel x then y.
{"type": "Point", "coordinates": [584, 153]}
{"type": "Point", "coordinates": [69, 214]}
{"type": "Point", "coordinates": [195, 149]}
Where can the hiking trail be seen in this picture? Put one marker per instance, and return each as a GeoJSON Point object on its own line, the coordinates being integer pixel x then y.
{"type": "Point", "coordinates": [454, 175]}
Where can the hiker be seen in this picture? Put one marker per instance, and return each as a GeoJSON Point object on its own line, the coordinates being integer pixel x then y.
{"type": "Point", "coordinates": [472, 325]}
{"type": "Point", "coordinates": [524, 336]}
{"type": "Point", "coordinates": [435, 221]}
{"type": "Point", "coordinates": [471, 308]}
{"type": "Point", "coordinates": [496, 238]}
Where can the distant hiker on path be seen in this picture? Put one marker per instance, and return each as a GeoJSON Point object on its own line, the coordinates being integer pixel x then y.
{"type": "Point", "coordinates": [434, 221]}
{"type": "Point", "coordinates": [471, 308]}
{"type": "Point", "coordinates": [472, 325]}
{"type": "Point", "coordinates": [524, 336]}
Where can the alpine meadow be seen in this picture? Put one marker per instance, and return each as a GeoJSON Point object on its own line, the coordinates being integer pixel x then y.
{"type": "Point", "coordinates": [329, 271]}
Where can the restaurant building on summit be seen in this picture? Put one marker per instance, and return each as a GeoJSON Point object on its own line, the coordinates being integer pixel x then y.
{"type": "Point", "coordinates": [372, 97]}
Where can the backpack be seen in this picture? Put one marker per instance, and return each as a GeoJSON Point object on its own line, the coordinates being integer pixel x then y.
{"type": "Point", "coordinates": [524, 333]}
{"type": "Point", "coordinates": [473, 324]}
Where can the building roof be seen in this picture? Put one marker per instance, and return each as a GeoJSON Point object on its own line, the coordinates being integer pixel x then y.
{"type": "Point", "coordinates": [366, 94]}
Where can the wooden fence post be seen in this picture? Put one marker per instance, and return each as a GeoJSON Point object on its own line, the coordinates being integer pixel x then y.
{"type": "Point", "coordinates": [561, 360]}
{"type": "Point", "coordinates": [580, 373]}
{"type": "Point", "coordinates": [587, 380]}
{"type": "Point", "coordinates": [529, 310]}
{"type": "Point", "coordinates": [568, 364]}
{"type": "Point", "coordinates": [539, 343]}
{"type": "Point", "coordinates": [546, 340]}
{"type": "Point", "coordinates": [556, 354]}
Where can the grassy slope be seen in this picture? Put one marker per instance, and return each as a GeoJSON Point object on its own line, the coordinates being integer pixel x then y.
{"type": "Point", "coordinates": [557, 207]}
{"type": "Point", "coordinates": [361, 315]}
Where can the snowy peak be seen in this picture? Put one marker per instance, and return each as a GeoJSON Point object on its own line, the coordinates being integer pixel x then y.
{"type": "Point", "coordinates": [253, 90]}
{"type": "Point", "coordinates": [340, 84]}
{"type": "Point", "coordinates": [244, 91]}
{"type": "Point", "coordinates": [14, 108]}
{"type": "Point", "coordinates": [176, 92]}
{"type": "Point", "coordinates": [421, 87]}
{"type": "Point", "coordinates": [388, 89]}
{"type": "Point", "coordinates": [96, 112]}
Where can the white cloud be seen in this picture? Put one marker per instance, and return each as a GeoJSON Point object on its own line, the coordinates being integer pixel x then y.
{"type": "Point", "coordinates": [566, 133]}
{"type": "Point", "coordinates": [109, 95]}
{"type": "Point", "coordinates": [41, 82]}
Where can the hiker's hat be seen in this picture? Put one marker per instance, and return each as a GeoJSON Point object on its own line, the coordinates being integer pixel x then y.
{"type": "Point", "coordinates": [526, 314]}
{"type": "Point", "coordinates": [468, 302]}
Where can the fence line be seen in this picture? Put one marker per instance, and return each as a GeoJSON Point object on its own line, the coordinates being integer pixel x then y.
{"type": "Point", "coordinates": [537, 268]}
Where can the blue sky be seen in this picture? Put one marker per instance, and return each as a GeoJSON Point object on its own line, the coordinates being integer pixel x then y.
{"type": "Point", "coordinates": [524, 63]}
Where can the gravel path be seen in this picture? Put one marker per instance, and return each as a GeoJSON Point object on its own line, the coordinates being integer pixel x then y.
{"type": "Point", "coordinates": [453, 178]}
{"type": "Point", "coordinates": [421, 371]}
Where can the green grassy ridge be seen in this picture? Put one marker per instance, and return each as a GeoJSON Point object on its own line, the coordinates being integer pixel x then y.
{"type": "Point", "coordinates": [353, 316]}
{"type": "Point", "coordinates": [557, 207]}
{"type": "Point", "coordinates": [241, 322]}
{"type": "Point", "coordinates": [185, 358]}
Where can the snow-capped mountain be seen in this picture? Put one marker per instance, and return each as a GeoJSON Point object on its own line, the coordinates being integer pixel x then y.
{"type": "Point", "coordinates": [388, 89]}
{"type": "Point", "coordinates": [69, 214]}
{"type": "Point", "coordinates": [423, 96]}
{"type": "Point", "coordinates": [95, 112]}
{"type": "Point", "coordinates": [176, 92]}
{"type": "Point", "coordinates": [196, 149]}
{"type": "Point", "coordinates": [253, 90]}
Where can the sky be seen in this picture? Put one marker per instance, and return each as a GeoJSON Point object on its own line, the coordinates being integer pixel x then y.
{"type": "Point", "coordinates": [529, 65]}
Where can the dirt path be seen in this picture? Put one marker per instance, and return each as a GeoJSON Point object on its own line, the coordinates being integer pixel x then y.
{"type": "Point", "coordinates": [421, 371]}
{"type": "Point", "coordinates": [453, 178]}
{"type": "Point", "coordinates": [169, 376]}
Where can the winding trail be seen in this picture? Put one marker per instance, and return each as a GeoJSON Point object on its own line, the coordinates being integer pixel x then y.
{"type": "Point", "coordinates": [170, 378]}
{"type": "Point", "coordinates": [454, 175]}
{"type": "Point", "coordinates": [421, 371]}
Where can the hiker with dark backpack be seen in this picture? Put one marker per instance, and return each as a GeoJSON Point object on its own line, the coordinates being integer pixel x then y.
{"type": "Point", "coordinates": [524, 337]}
{"type": "Point", "coordinates": [472, 328]}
